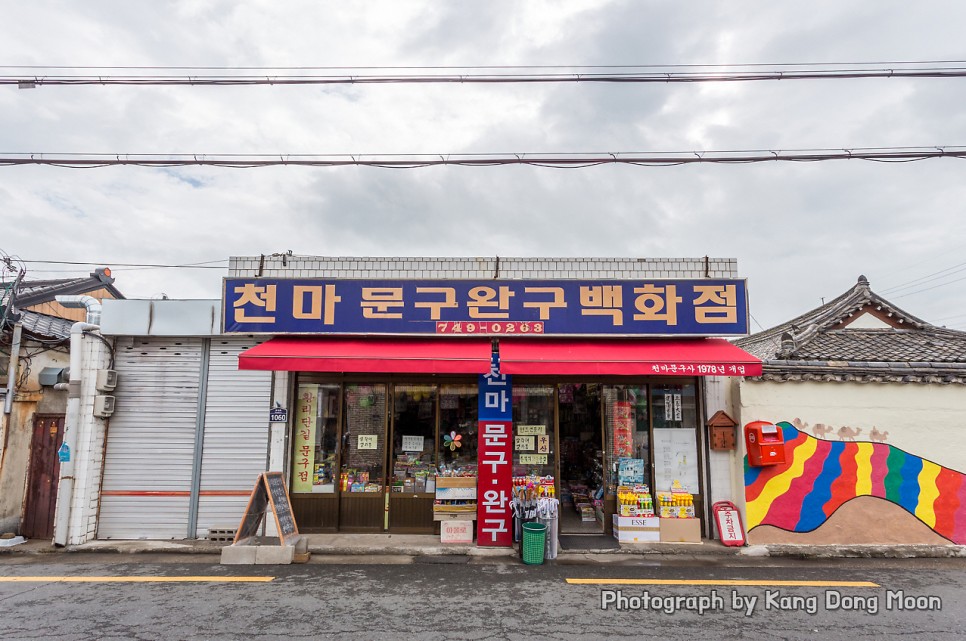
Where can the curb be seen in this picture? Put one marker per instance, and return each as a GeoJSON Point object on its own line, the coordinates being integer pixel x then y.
{"type": "Point", "coordinates": [862, 551]}
{"type": "Point", "coordinates": [692, 549]}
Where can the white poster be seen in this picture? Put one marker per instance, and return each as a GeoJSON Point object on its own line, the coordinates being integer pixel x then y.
{"type": "Point", "coordinates": [412, 443]}
{"type": "Point", "coordinates": [675, 459]}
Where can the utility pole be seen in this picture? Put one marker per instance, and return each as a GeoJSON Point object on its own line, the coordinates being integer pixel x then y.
{"type": "Point", "coordinates": [10, 311]}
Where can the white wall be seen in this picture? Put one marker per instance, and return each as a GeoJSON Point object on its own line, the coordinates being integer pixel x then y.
{"type": "Point", "coordinates": [925, 420]}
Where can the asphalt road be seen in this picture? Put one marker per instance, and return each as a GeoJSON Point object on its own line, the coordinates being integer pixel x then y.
{"type": "Point", "coordinates": [101, 596]}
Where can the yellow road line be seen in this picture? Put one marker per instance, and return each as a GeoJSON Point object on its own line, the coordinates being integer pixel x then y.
{"type": "Point", "coordinates": [136, 579]}
{"type": "Point", "coordinates": [735, 582]}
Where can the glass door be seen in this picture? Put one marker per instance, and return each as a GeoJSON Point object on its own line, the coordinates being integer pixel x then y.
{"type": "Point", "coordinates": [362, 477]}
{"type": "Point", "coordinates": [412, 489]}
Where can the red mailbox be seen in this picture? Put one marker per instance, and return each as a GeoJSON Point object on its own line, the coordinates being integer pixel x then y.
{"type": "Point", "coordinates": [764, 443]}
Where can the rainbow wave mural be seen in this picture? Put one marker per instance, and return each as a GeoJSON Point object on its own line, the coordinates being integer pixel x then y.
{"type": "Point", "coordinates": [819, 476]}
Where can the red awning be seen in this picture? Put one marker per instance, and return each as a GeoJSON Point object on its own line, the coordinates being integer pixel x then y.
{"type": "Point", "coordinates": [360, 355]}
{"type": "Point", "coordinates": [694, 357]}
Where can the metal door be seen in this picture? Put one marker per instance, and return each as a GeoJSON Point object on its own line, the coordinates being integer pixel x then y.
{"type": "Point", "coordinates": [151, 439]}
{"type": "Point", "coordinates": [42, 476]}
{"type": "Point", "coordinates": [235, 434]}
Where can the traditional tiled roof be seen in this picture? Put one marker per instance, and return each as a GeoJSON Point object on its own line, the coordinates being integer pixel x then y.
{"type": "Point", "coordinates": [822, 345]}
{"type": "Point", "coordinates": [46, 326]}
{"type": "Point", "coordinates": [35, 292]}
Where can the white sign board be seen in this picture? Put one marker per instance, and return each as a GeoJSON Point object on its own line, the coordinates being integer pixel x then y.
{"type": "Point", "coordinates": [368, 442]}
{"type": "Point", "coordinates": [729, 526]}
{"type": "Point", "coordinates": [675, 459]}
{"type": "Point", "coordinates": [456, 532]}
{"type": "Point", "coordinates": [412, 443]}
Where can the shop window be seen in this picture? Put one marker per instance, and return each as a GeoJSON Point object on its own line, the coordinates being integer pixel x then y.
{"type": "Point", "coordinates": [364, 438]}
{"type": "Point", "coordinates": [627, 434]}
{"type": "Point", "coordinates": [458, 421]}
{"type": "Point", "coordinates": [533, 424]}
{"type": "Point", "coordinates": [674, 405]}
{"type": "Point", "coordinates": [414, 438]}
{"type": "Point", "coordinates": [315, 439]}
{"type": "Point", "coordinates": [675, 422]}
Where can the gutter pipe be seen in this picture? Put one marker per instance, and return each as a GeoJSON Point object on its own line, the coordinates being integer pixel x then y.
{"type": "Point", "coordinates": [65, 490]}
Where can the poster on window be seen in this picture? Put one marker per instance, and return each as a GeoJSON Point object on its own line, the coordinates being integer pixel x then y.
{"type": "Point", "coordinates": [675, 459]}
{"type": "Point", "coordinates": [412, 443]}
{"type": "Point", "coordinates": [306, 418]}
{"type": "Point", "coordinates": [623, 429]}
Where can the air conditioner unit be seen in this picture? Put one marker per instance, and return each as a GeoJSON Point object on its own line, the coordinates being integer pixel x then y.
{"type": "Point", "coordinates": [103, 406]}
{"type": "Point", "coordinates": [106, 380]}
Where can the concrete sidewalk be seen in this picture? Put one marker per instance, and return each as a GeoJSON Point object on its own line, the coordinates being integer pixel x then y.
{"type": "Point", "coordinates": [429, 545]}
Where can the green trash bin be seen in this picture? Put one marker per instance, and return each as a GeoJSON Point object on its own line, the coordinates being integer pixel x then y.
{"type": "Point", "coordinates": [534, 543]}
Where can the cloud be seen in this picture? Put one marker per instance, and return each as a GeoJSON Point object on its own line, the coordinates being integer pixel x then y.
{"type": "Point", "coordinates": [800, 231]}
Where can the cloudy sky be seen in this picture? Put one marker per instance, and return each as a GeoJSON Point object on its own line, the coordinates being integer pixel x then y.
{"type": "Point", "coordinates": [800, 232]}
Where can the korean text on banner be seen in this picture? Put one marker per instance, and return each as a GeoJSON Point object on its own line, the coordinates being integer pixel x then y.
{"type": "Point", "coordinates": [706, 307]}
{"type": "Point", "coordinates": [495, 458]}
{"type": "Point", "coordinates": [306, 417]}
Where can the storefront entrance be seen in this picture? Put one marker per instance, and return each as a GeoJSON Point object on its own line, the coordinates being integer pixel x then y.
{"type": "Point", "coordinates": [581, 457]}
{"type": "Point", "coordinates": [366, 456]}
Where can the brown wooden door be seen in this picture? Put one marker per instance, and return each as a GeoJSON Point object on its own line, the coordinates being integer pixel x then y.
{"type": "Point", "coordinates": [38, 522]}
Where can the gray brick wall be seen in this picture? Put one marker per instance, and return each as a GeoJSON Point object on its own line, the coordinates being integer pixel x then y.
{"type": "Point", "coordinates": [277, 266]}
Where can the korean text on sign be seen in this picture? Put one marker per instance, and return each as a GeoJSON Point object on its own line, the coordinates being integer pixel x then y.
{"type": "Point", "coordinates": [700, 307]}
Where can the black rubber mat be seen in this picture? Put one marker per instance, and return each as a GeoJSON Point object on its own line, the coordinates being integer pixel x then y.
{"type": "Point", "coordinates": [588, 542]}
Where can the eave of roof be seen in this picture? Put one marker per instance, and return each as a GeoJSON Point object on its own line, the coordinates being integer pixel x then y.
{"type": "Point", "coordinates": [820, 334]}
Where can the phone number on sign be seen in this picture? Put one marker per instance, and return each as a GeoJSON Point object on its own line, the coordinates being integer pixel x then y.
{"type": "Point", "coordinates": [504, 327]}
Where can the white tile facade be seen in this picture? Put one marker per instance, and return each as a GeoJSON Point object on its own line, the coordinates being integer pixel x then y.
{"type": "Point", "coordinates": [284, 266]}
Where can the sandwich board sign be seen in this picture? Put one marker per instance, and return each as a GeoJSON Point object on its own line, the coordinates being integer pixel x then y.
{"type": "Point", "coordinates": [269, 491]}
{"type": "Point", "coordinates": [728, 519]}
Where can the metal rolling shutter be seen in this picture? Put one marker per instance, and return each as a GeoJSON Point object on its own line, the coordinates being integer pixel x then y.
{"type": "Point", "coordinates": [150, 440]}
{"type": "Point", "coordinates": [236, 434]}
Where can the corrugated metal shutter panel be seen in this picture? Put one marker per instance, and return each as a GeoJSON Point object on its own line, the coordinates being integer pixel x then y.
{"type": "Point", "coordinates": [150, 440]}
{"type": "Point", "coordinates": [236, 434]}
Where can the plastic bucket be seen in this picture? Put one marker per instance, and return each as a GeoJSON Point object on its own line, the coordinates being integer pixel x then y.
{"type": "Point", "coordinates": [534, 543]}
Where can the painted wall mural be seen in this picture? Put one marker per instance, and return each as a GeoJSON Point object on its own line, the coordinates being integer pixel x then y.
{"type": "Point", "coordinates": [822, 475]}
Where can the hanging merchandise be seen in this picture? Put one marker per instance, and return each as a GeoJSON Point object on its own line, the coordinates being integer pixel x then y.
{"type": "Point", "coordinates": [548, 513]}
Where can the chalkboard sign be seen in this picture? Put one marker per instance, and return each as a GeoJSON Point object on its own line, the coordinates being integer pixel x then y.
{"type": "Point", "coordinates": [269, 490]}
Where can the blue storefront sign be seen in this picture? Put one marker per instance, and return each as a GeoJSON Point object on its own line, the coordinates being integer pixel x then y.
{"type": "Point", "coordinates": [707, 307]}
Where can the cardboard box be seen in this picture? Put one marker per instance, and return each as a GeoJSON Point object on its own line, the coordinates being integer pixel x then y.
{"type": "Point", "coordinates": [680, 530]}
{"type": "Point", "coordinates": [637, 529]}
{"type": "Point", "coordinates": [677, 512]}
{"type": "Point", "coordinates": [456, 481]}
{"type": "Point", "coordinates": [456, 532]}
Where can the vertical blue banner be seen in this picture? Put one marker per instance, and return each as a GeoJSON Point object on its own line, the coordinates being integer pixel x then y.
{"type": "Point", "coordinates": [496, 394]}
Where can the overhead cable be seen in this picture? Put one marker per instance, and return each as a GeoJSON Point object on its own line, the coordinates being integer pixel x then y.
{"type": "Point", "coordinates": [414, 161]}
{"type": "Point", "coordinates": [474, 76]}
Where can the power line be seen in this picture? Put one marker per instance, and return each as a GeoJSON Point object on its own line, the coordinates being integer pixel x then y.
{"type": "Point", "coordinates": [926, 289]}
{"type": "Point", "coordinates": [549, 160]}
{"type": "Point", "coordinates": [202, 265]}
{"type": "Point", "coordinates": [474, 77]}
{"type": "Point", "coordinates": [943, 273]}
{"type": "Point", "coordinates": [737, 65]}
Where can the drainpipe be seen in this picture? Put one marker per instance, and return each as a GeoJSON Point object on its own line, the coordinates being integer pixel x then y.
{"type": "Point", "coordinates": [65, 490]}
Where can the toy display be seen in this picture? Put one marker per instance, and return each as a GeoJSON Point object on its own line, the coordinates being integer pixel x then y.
{"type": "Point", "coordinates": [634, 501]}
